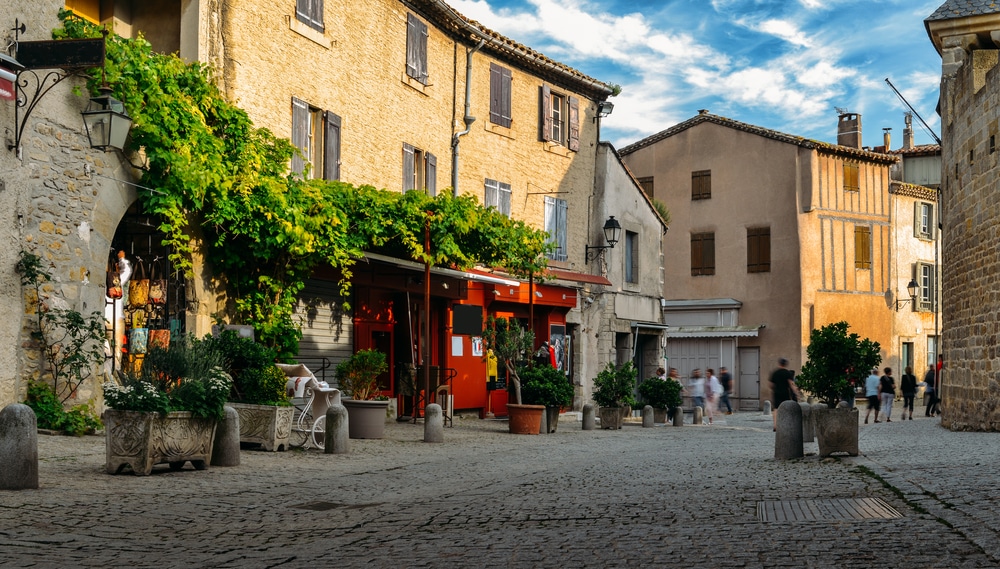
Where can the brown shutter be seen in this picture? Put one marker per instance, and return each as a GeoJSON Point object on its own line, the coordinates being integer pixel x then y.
{"type": "Point", "coordinates": [545, 108]}
{"type": "Point", "coordinates": [709, 254]}
{"type": "Point", "coordinates": [574, 124]}
{"type": "Point", "coordinates": [696, 254]}
{"type": "Point", "coordinates": [331, 147]}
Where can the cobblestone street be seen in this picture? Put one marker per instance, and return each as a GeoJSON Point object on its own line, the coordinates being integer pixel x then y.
{"type": "Point", "coordinates": [655, 497]}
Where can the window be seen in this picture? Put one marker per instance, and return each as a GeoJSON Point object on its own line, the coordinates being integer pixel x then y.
{"type": "Point", "coordinates": [647, 185]}
{"type": "Point", "coordinates": [419, 170]}
{"type": "Point", "coordinates": [702, 254]}
{"type": "Point", "coordinates": [906, 357]}
{"type": "Point", "coordinates": [310, 12]}
{"type": "Point", "coordinates": [631, 257]}
{"type": "Point", "coordinates": [758, 249]}
{"type": "Point", "coordinates": [923, 220]}
{"type": "Point", "coordinates": [851, 177]}
{"type": "Point", "coordinates": [555, 224]}
{"type": "Point", "coordinates": [560, 119]}
{"type": "Point", "coordinates": [701, 185]}
{"type": "Point", "coordinates": [931, 350]}
{"type": "Point", "coordinates": [926, 278]}
{"type": "Point", "coordinates": [500, 85]}
{"type": "Point", "coordinates": [416, 48]}
{"type": "Point", "coordinates": [497, 196]}
{"type": "Point", "coordinates": [316, 133]}
{"type": "Point", "coordinates": [862, 247]}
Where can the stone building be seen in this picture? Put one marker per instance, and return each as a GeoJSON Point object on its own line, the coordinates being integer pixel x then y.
{"type": "Point", "coordinates": [403, 95]}
{"type": "Point", "coordinates": [772, 236]}
{"type": "Point", "coordinates": [965, 34]}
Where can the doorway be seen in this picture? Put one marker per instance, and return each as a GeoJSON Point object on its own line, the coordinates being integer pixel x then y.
{"type": "Point", "coordinates": [749, 379]}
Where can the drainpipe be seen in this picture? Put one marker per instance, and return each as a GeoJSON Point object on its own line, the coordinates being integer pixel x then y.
{"type": "Point", "coordinates": [468, 118]}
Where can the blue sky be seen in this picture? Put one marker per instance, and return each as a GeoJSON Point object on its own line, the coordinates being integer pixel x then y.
{"type": "Point", "coordinates": [780, 64]}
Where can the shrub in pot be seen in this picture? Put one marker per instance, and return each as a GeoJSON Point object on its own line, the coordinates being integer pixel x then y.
{"type": "Point", "coordinates": [614, 388]}
{"type": "Point", "coordinates": [660, 394]}
{"type": "Point", "coordinates": [366, 408]}
{"type": "Point", "coordinates": [548, 386]}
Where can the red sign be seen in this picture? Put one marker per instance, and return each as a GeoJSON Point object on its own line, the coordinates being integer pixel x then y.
{"type": "Point", "coordinates": [6, 90]}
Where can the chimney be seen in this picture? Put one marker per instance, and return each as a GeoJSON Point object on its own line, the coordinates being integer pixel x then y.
{"type": "Point", "coordinates": [887, 138]}
{"type": "Point", "coordinates": [908, 131]}
{"type": "Point", "coordinates": [849, 130]}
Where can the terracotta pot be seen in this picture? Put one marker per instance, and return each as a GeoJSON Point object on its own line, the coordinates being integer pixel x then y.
{"type": "Point", "coordinates": [366, 419]}
{"type": "Point", "coordinates": [525, 419]}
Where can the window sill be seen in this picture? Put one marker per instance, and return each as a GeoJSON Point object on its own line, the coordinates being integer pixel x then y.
{"type": "Point", "coordinates": [414, 84]}
{"type": "Point", "coordinates": [309, 33]}
{"type": "Point", "coordinates": [500, 130]}
{"type": "Point", "coordinates": [556, 148]}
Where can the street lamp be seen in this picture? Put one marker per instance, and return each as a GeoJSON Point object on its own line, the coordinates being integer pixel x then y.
{"type": "Point", "coordinates": [106, 121]}
{"type": "Point", "coordinates": [911, 288]}
{"type": "Point", "coordinates": [612, 233]}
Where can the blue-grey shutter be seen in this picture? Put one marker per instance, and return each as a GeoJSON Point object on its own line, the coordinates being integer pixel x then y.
{"type": "Point", "coordinates": [431, 170]}
{"type": "Point", "coordinates": [408, 168]}
{"type": "Point", "coordinates": [503, 198]}
{"type": "Point", "coordinates": [574, 124]}
{"type": "Point", "coordinates": [545, 108]}
{"type": "Point", "coordinates": [495, 93]}
{"type": "Point", "coordinates": [491, 193]}
{"type": "Point", "coordinates": [506, 100]}
{"type": "Point", "coordinates": [500, 95]}
{"type": "Point", "coordinates": [562, 209]}
{"type": "Point", "coordinates": [422, 52]}
{"type": "Point", "coordinates": [416, 48]}
{"type": "Point", "coordinates": [300, 135]}
{"type": "Point", "coordinates": [310, 12]}
{"type": "Point", "coordinates": [331, 147]}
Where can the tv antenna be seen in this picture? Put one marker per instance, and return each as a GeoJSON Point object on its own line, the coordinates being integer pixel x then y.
{"type": "Point", "coordinates": [841, 110]}
{"type": "Point", "coordinates": [914, 111]}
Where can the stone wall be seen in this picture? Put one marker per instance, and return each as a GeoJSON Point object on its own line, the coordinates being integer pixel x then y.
{"type": "Point", "coordinates": [970, 92]}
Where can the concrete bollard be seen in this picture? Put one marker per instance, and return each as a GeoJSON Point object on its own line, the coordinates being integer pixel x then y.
{"type": "Point", "coordinates": [788, 439]}
{"type": "Point", "coordinates": [589, 420]}
{"type": "Point", "coordinates": [18, 448]}
{"type": "Point", "coordinates": [647, 416]}
{"type": "Point", "coordinates": [808, 427]}
{"type": "Point", "coordinates": [543, 426]}
{"type": "Point", "coordinates": [338, 431]}
{"type": "Point", "coordinates": [767, 408]}
{"type": "Point", "coordinates": [678, 416]}
{"type": "Point", "coordinates": [697, 416]}
{"type": "Point", "coordinates": [434, 424]}
{"type": "Point", "coordinates": [226, 448]}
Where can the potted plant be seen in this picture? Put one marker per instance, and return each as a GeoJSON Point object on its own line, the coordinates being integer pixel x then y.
{"type": "Point", "coordinates": [167, 411]}
{"type": "Point", "coordinates": [509, 342]}
{"type": "Point", "coordinates": [660, 394]}
{"type": "Point", "coordinates": [835, 360]}
{"type": "Point", "coordinates": [548, 386]}
{"type": "Point", "coordinates": [259, 393]}
{"type": "Point", "coordinates": [614, 389]}
{"type": "Point", "coordinates": [357, 376]}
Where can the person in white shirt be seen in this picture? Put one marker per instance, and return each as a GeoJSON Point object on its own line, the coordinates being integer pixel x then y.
{"type": "Point", "coordinates": [713, 389]}
{"type": "Point", "coordinates": [871, 392]}
{"type": "Point", "coordinates": [696, 387]}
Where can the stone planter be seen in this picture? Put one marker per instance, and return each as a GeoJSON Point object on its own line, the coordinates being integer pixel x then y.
{"type": "Point", "coordinates": [836, 430]}
{"type": "Point", "coordinates": [266, 425]}
{"type": "Point", "coordinates": [612, 417]}
{"type": "Point", "coordinates": [524, 419]}
{"type": "Point", "coordinates": [141, 440]}
{"type": "Point", "coordinates": [366, 419]}
{"type": "Point", "coordinates": [659, 415]}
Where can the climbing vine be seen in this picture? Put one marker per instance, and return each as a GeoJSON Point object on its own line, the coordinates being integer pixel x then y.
{"type": "Point", "coordinates": [222, 185]}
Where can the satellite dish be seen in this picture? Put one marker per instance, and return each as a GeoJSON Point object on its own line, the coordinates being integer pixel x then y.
{"type": "Point", "coordinates": [888, 298]}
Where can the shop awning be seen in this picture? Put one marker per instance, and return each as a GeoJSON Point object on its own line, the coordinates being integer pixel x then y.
{"type": "Point", "coordinates": [650, 325]}
{"type": "Point", "coordinates": [714, 331]}
{"type": "Point", "coordinates": [467, 275]}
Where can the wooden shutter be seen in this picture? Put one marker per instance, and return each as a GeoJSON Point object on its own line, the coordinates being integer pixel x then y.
{"type": "Point", "coordinates": [412, 51]}
{"type": "Point", "coordinates": [503, 198]}
{"type": "Point", "coordinates": [500, 97]}
{"type": "Point", "coordinates": [851, 177]}
{"type": "Point", "coordinates": [758, 249]}
{"type": "Point", "coordinates": [862, 247]}
{"type": "Point", "coordinates": [310, 12]}
{"type": "Point", "coordinates": [422, 51]}
{"type": "Point", "coordinates": [702, 254]}
{"type": "Point", "coordinates": [545, 108]}
{"type": "Point", "coordinates": [574, 124]}
{"type": "Point", "coordinates": [331, 146]}
{"type": "Point", "coordinates": [300, 135]}
{"type": "Point", "coordinates": [409, 174]}
{"type": "Point", "coordinates": [506, 98]}
{"type": "Point", "coordinates": [701, 185]}
{"type": "Point", "coordinates": [431, 173]}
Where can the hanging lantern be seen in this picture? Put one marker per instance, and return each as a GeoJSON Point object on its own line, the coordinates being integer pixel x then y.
{"type": "Point", "coordinates": [106, 121]}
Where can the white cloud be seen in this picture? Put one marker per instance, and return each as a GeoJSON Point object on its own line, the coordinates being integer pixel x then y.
{"type": "Point", "coordinates": [785, 30]}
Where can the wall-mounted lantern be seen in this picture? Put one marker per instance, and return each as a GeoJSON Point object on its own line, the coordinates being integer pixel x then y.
{"type": "Point", "coordinates": [612, 233]}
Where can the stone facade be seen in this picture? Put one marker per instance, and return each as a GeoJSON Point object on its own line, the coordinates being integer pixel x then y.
{"type": "Point", "coordinates": [970, 107]}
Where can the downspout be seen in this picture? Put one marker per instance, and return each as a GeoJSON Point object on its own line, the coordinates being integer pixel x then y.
{"type": "Point", "coordinates": [468, 118]}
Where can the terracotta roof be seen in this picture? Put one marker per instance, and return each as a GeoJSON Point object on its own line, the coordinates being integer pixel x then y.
{"type": "Point", "coordinates": [913, 191]}
{"type": "Point", "coordinates": [920, 150]}
{"type": "Point", "coordinates": [817, 145]}
{"type": "Point", "coordinates": [963, 8]}
{"type": "Point", "coordinates": [449, 20]}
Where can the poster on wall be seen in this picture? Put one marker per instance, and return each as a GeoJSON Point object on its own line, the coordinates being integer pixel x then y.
{"type": "Point", "coordinates": [477, 347]}
{"type": "Point", "coordinates": [557, 339]}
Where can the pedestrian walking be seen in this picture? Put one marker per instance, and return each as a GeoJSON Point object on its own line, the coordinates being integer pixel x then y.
{"type": "Point", "coordinates": [783, 388]}
{"type": "Point", "coordinates": [930, 393]}
{"type": "Point", "coordinates": [908, 387]}
{"type": "Point", "coordinates": [672, 375]}
{"type": "Point", "coordinates": [871, 393]}
{"type": "Point", "coordinates": [696, 386]}
{"type": "Point", "coordinates": [713, 391]}
{"type": "Point", "coordinates": [886, 393]}
{"type": "Point", "coordinates": [726, 379]}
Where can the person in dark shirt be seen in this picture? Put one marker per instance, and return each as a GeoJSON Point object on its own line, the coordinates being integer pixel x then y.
{"type": "Point", "coordinates": [908, 387]}
{"type": "Point", "coordinates": [726, 379]}
{"type": "Point", "coordinates": [782, 388]}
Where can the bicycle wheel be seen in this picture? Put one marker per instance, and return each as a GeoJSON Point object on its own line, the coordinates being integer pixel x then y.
{"type": "Point", "coordinates": [319, 432]}
{"type": "Point", "coordinates": [299, 435]}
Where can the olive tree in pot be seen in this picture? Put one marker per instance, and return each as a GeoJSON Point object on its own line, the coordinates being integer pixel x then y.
{"type": "Point", "coordinates": [548, 386]}
{"type": "Point", "coordinates": [836, 362]}
{"type": "Point", "coordinates": [366, 407]}
{"type": "Point", "coordinates": [662, 395]}
{"type": "Point", "coordinates": [510, 343]}
{"type": "Point", "coordinates": [614, 389]}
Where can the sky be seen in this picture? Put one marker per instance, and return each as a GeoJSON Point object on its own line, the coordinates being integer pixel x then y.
{"type": "Point", "coordinates": [786, 65]}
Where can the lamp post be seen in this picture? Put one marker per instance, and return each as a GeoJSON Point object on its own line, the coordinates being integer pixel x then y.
{"type": "Point", "coordinates": [612, 233]}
